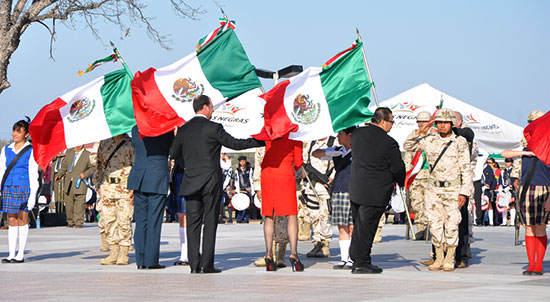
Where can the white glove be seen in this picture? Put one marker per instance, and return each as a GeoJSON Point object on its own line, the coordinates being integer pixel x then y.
{"type": "Point", "coordinates": [333, 153]}
{"type": "Point", "coordinates": [31, 202]}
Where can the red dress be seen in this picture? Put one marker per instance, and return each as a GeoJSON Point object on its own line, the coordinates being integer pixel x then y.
{"type": "Point", "coordinates": [281, 158]}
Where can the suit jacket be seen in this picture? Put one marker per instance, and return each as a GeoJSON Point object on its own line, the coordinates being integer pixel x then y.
{"type": "Point", "coordinates": [199, 142]}
{"type": "Point", "coordinates": [150, 172]}
{"type": "Point", "coordinates": [82, 166]}
{"type": "Point", "coordinates": [376, 166]}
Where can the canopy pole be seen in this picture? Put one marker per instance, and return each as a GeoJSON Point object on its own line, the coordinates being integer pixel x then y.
{"type": "Point", "coordinates": [367, 67]}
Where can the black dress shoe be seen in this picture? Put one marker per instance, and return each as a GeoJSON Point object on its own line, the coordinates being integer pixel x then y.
{"type": "Point", "coordinates": [181, 263]}
{"type": "Point", "coordinates": [23, 260]}
{"type": "Point", "coordinates": [211, 270]}
{"type": "Point", "coordinates": [158, 266]}
{"type": "Point", "coordinates": [6, 260]}
{"type": "Point", "coordinates": [141, 267]}
{"type": "Point", "coordinates": [532, 273]}
{"type": "Point", "coordinates": [198, 271]}
{"type": "Point", "coordinates": [340, 265]}
{"type": "Point", "coordinates": [366, 269]}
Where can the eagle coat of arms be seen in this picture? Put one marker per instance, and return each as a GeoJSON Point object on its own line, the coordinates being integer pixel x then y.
{"type": "Point", "coordinates": [185, 90]}
{"type": "Point", "coordinates": [305, 111]}
{"type": "Point", "coordinates": [81, 109]}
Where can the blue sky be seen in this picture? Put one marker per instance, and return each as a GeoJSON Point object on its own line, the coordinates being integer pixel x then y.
{"type": "Point", "coordinates": [493, 54]}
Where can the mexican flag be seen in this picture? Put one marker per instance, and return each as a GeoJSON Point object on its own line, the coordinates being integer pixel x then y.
{"type": "Point", "coordinates": [538, 137]}
{"type": "Point", "coordinates": [418, 162]}
{"type": "Point", "coordinates": [96, 111]}
{"type": "Point", "coordinates": [320, 101]}
{"type": "Point", "coordinates": [219, 68]}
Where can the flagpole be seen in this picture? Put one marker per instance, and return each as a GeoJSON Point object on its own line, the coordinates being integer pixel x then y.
{"type": "Point", "coordinates": [117, 54]}
{"type": "Point", "coordinates": [367, 67]}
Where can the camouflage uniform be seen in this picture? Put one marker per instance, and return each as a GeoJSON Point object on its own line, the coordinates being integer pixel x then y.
{"type": "Point", "coordinates": [318, 217]}
{"type": "Point", "coordinates": [452, 176]}
{"type": "Point", "coordinates": [117, 207]}
{"type": "Point", "coordinates": [454, 168]}
{"type": "Point", "coordinates": [416, 192]}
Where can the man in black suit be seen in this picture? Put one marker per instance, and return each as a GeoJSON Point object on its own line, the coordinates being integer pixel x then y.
{"type": "Point", "coordinates": [199, 142]}
{"type": "Point", "coordinates": [375, 168]}
{"type": "Point", "coordinates": [149, 179]}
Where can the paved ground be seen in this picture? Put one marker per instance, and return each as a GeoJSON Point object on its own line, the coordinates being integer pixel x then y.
{"type": "Point", "coordinates": [63, 265]}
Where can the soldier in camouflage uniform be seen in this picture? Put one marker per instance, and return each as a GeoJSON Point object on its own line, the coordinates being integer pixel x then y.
{"type": "Point", "coordinates": [280, 236]}
{"type": "Point", "coordinates": [117, 208]}
{"type": "Point", "coordinates": [317, 209]}
{"type": "Point", "coordinates": [418, 186]}
{"type": "Point", "coordinates": [101, 222]}
{"type": "Point", "coordinates": [449, 183]}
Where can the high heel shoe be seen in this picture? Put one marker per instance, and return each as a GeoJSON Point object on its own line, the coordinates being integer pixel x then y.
{"type": "Point", "coordinates": [297, 266]}
{"type": "Point", "coordinates": [270, 265]}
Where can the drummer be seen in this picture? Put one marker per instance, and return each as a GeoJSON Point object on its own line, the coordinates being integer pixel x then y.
{"type": "Point", "coordinates": [244, 184]}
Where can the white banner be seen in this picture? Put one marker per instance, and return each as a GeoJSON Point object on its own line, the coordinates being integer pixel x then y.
{"type": "Point", "coordinates": [241, 117]}
{"type": "Point", "coordinates": [491, 132]}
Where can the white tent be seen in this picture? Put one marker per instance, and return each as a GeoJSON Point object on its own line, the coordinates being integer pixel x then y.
{"type": "Point", "coordinates": [492, 134]}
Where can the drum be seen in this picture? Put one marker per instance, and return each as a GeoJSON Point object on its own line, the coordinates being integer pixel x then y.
{"type": "Point", "coordinates": [257, 202]}
{"type": "Point", "coordinates": [240, 201]}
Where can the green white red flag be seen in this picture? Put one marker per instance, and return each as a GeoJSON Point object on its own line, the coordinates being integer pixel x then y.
{"type": "Point", "coordinates": [320, 101]}
{"type": "Point", "coordinates": [93, 112]}
{"type": "Point", "coordinates": [219, 68]}
{"type": "Point", "coordinates": [537, 135]}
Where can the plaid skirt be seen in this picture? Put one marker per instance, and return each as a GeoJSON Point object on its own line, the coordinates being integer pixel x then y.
{"type": "Point", "coordinates": [14, 199]}
{"type": "Point", "coordinates": [341, 209]}
{"type": "Point", "coordinates": [533, 207]}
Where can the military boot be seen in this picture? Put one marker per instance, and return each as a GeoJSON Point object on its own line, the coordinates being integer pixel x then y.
{"type": "Point", "coordinates": [104, 245]}
{"type": "Point", "coordinates": [449, 263]}
{"type": "Point", "coordinates": [111, 259]}
{"type": "Point", "coordinates": [281, 251]}
{"type": "Point", "coordinates": [325, 250]}
{"type": "Point", "coordinates": [122, 258]}
{"type": "Point", "coordinates": [438, 263]}
{"type": "Point", "coordinates": [316, 249]}
{"type": "Point", "coordinates": [378, 235]}
{"type": "Point", "coordinates": [304, 231]}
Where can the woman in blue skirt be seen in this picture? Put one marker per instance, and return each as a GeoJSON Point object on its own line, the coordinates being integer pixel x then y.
{"type": "Point", "coordinates": [19, 188]}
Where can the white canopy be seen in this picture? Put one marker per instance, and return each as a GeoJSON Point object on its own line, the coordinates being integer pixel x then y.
{"type": "Point", "coordinates": [491, 133]}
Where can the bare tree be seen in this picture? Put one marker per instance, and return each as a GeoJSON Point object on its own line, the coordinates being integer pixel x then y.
{"type": "Point", "coordinates": [16, 16]}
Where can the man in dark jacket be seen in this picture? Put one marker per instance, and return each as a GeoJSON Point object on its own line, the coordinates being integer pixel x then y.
{"type": "Point", "coordinates": [199, 142]}
{"type": "Point", "coordinates": [375, 168]}
{"type": "Point", "coordinates": [149, 178]}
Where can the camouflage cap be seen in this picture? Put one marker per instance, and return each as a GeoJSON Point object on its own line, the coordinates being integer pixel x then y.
{"type": "Point", "coordinates": [535, 114]}
{"type": "Point", "coordinates": [444, 115]}
{"type": "Point", "coordinates": [423, 116]}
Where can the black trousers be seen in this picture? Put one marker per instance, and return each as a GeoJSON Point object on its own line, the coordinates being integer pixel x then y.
{"type": "Point", "coordinates": [365, 222]}
{"type": "Point", "coordinates": [203, 206]}
{"type": "Point", "coordinates": [148, 210]}
{"type": "Point", "coordinates": [463, 235]}
{"type": "Point", "coordinates": [477, 200]}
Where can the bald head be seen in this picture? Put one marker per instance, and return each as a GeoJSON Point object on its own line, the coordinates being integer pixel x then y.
{"type": "Point", "coordinates": [458, 119]}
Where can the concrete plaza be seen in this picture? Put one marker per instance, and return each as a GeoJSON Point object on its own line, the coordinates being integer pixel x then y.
{"type": "Point", "coordinates": [62, 264]}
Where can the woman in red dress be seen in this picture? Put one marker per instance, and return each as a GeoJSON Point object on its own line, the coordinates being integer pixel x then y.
{"type": "Point", "coordinates": [282, 157]}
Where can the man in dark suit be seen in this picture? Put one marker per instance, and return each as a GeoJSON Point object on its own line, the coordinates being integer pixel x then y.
{"type": "Point", "coordinates": [375, 168]}
{"type": "Point", "coordinates": [149, 179]}
{"type": "Point", "coordinates": [199, 142]}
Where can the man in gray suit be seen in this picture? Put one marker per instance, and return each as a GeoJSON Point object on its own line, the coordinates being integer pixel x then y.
{"type": "Point", "coordinates": [149, 179]}
{"type": "Point", "coordinates": [75, 167]}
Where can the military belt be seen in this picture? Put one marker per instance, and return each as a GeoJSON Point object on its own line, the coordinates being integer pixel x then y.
{"type": "Point", "coordinates": [113, 180]}
{"type": "Point", "coordinates": [445, 184]}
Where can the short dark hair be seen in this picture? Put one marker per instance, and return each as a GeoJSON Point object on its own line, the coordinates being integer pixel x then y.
{"type": "Point", "coordinates": [200, 101]}
{"type": "Point", "coordinates": [22, 124]}
{"type": "Point", "coordinates": [349, 129]}
{"type": "Point", "coordinates": [381, 114]}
